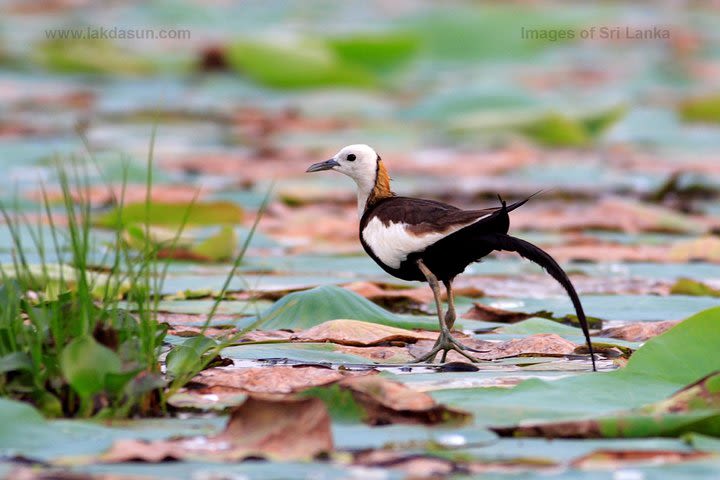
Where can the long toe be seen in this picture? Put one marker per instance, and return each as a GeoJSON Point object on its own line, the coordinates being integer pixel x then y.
{"type": "Point", "coordinates": [446, 343]}
{"type": "Point", "coordinates": [430, 356]}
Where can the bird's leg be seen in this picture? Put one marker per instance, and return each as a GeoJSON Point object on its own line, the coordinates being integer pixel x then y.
{"type": "Point", "coordinates": [450, 315]}
{"type": "Point", "coordinates": [445, 341]}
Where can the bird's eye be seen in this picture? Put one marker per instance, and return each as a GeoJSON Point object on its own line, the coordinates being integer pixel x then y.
{"type": "Point", "coordinates": [351, 157]}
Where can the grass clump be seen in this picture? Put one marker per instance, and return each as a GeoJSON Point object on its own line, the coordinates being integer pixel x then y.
{"type": "Point", "coordinates": [79, 329]}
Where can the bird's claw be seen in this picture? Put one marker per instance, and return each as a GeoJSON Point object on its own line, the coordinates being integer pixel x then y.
{"type": "Point", "coordinates": [445, 343]}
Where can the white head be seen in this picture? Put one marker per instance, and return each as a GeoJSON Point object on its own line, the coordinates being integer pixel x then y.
{"type": "Point", "coordinates": [359, 162]}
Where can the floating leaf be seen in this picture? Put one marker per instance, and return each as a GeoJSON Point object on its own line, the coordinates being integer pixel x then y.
{"type": "Point", "coordinates": [172, 214]}
{"type": "Point", "coordinates": [214, 248]}
{"type": "Point", "coordinates": [297, 352]}
{"type": "Point", "coordinates": [620, 460]}
{"type": "Point", "coordinates": [309, 308]}
{"type": "Point", "coordinates": [218, 247]}
{"type": "Point", "coordinates": [688, 286]}
{"type": "Point", "coordinates": [706, 248]}
{"type": "Point", "coordinates": [303, 64]}
{"type": "Point", "coordinates": [638, 331]}
{"type": "Point", "coordinates": [701, 109]}
{"type": "Point", "coordinates": [89, 55]}
{"type": "Point", "coordinates": [288, 429]}
{"type": "Point", "coordinates": [695, 408]}
{"type": "Point", "coordinates": [357, 333]}
{"type": "Point", "coordinates": [597, 123]}
{"type": "Point", "coordinates": [557, 130]}
{"type": "Point", "coordinates": [382, 402]}
{"type": "Point", "coordinates": [375, 51]}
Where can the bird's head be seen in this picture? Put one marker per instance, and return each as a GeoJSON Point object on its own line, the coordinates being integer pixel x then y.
{"type": "Point", "coordinates": [359, 162]}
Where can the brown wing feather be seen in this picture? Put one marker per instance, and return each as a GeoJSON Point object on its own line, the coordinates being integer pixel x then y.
{"type": "Point", "coordinates": [424, 216]}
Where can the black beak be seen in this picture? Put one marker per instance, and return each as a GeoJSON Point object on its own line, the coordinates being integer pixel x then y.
{"type": "Point", "coordinates": [326, 165]}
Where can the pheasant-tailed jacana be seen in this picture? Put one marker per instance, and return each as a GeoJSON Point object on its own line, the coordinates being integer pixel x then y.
{"type": "Point", "coordinates": [429, 241]}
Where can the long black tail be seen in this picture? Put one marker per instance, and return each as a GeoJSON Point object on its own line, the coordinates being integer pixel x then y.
{"type": "Point", "coordinates": [527, 250]}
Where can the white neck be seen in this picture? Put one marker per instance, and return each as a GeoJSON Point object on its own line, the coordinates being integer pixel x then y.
{"type": "Point", "coordinates": [364, 188]}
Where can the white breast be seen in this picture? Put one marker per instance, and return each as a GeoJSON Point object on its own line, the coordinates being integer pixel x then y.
{"type": "Point", "coordinates": [393, 243]}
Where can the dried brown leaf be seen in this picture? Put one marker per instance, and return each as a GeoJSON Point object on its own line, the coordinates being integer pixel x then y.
{"type": "Point", "coordinates": [385, 354]}
{"type": "Point", "coordinates": [278, 379]}
{"type": "Point", "coordinates": [638, 331]}
{"type": "Point", "coordinates": [386, 402]}
{"type": "Point", "coordinates": [359, 333]}
{"type": "Point", "coordinates": [35, 473]}
{"type": "Point", "coordinates": [613, 459]}
{"type": "Point", "coordinates": [542, 344]}
{"type": "Point", "coordinates": [287, 429]}
{"type": "Point", "coordinates": [487, 313]}
{"type": "Point", "coordinates": [538, 344]}
{"type": "Point", "coordinates": [705, 248]}
{"type": "Point", "coordinates": [416, 466]}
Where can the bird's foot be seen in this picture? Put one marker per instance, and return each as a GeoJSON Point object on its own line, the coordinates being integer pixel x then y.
{"type": "Point", "coordinates": [445, 343]}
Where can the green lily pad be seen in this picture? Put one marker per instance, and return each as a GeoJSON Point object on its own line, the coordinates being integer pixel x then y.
{"type": "Point", "coordinates": [701, 109]}
{"type": "Point", "coordinates": [25, 432]}
{"type": "Point", "coordinates": [304, 64]}
{"type": "Point", "coordinates": [89, 55]}
{"type": "Point", "coordinates": [172, 214]}
{"type": "Point", "coordinates": [694, 409]}
{"type": "Point", "coordinates": [218, 247]}
{"type": "Point", "coordinates": [302, 310]}
{"type": "Point", "coordinates": [555, 129]}
{"type": "Point", "coordinates": [703, 442]}
{"type": "Point", "coordinates": [688, 286]}
{"type": "Point", "coordinates": [379, 52]}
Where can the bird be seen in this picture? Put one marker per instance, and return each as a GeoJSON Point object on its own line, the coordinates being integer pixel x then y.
{"type": "Point", "coordinates": [416, 239]}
